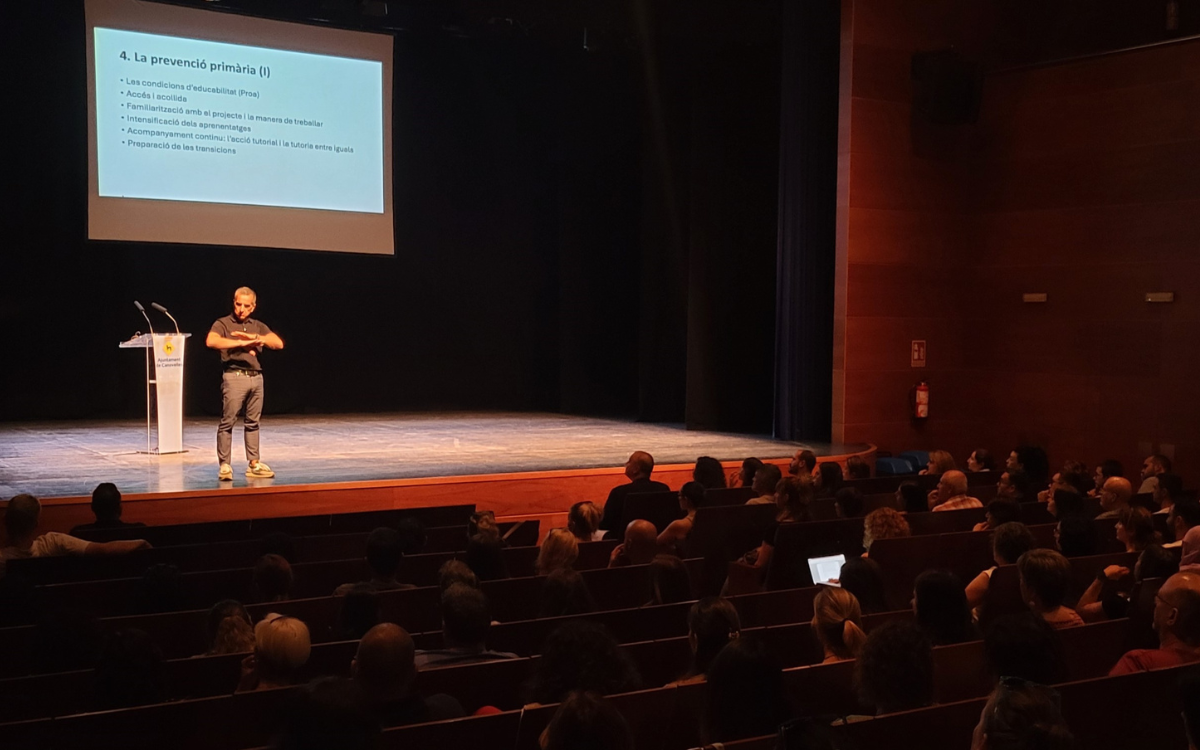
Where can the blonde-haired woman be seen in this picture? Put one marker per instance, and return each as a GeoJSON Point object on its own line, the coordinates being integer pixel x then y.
{"type": "Point", "coordinates": [939, 463]}
{"type": "Point", "coordinates": [583, 520]}
{"type": "Point", "coordinates": [560, 549]}
{"type": "Point", "coordinates": [837, 623]}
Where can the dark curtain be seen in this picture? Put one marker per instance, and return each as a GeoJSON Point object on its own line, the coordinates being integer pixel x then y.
{"type": "Point", "coordinates": [807, 206]}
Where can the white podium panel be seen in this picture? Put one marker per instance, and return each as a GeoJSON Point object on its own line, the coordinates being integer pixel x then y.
{"type": "Point", "coordinates": [167, 379]}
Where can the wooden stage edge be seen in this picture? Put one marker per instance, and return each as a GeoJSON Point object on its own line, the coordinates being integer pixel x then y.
{"type": "Point", "coordinates": [545, 495]}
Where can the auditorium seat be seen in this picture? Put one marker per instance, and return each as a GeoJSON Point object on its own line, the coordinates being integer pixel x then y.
{"type": "Point", "coordinates": [728, 496]}
{"type": "Point", "coordinates": [892, 467]}
{"type": "Point", "coordinates": [659, 508]}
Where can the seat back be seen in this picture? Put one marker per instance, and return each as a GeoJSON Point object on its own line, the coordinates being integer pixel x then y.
{"type": "Point", "coordinates": [659, 508]}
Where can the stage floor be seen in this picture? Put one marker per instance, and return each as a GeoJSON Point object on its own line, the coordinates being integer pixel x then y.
{"type": "Point", "coordinates": [56, 459]}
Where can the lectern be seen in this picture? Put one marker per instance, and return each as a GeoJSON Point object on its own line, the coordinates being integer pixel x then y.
{"type": "Point", "coordinates": [165, 375]}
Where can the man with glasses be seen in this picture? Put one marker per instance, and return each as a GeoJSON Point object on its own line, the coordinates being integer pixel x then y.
{"type": "Point", "coordinates": [1177, 622]}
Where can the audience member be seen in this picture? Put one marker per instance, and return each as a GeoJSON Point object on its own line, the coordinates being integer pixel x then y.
{"type": "Point", "coordinates": [1135, 528]}
{"type": "Point", "coordinates": [229, 629]}
{"type": "Point", "coordinates": [1026, 646]}
{"type": "Point", "coordinates": [827, 479]}
{"type": "Point", "coordinates": [894, 670]}
{"type": "Point", "coordinates": [848, 502]}
{"type": "Point", "coordinates": [385, 550]}
{"type": "Point", "coordinates": [330, 712]}
{"type": "Point", "coordinates": [712, 624]}
{"type": "Point", "coordinates": [999, 511]}
{"type": "Point", "coordinates": [583, 520]}
{"type": "Point", "coordinates": [1077, 475]}
{"type": "Point", "coordinates": [858, 468]}
{"type": "Point", "coordinates": [384, 667]}
{"type": "Point", "coordinates": [1075, 536]}
{"type": "Point", "coordinates": [106, 507]}
{"type": "Point", "coordinates": [1114, 497]}
{"type": "Point", "coordinates": [585, 721]}
{"type": "Point", "coordinates": [1068, 480]}
{"type": "Point", "coordinates": [765, 481]}
{"type": "Point", "coordinates": [980, 460]}
{"type": "Point", "coordinates": [1108, 468]}
{"type": "Point", "coordinates": [465, 623]}
{"type": "Point", "coordinates": [1031, 460]}
{"type": "Point", "coordinates": [911, 498]}
{"type": "Point", "coordinates": [793, 499]}
{"type": "Point", "coordinates": [129, 671]}
{"type": "Point", "coordinates": [863, 577]}
{"type": "Point", "coordinates": [21, 524]}
{"type": "Point", "coordinates": [412, 535]}
{"type": "Point", "coordinates": [580, 655]}
{"type": "Point", "coordinates": [939, 463]}
{"type": "Point", "coordinates": [640, 545]}
{"type": "Point", "coordinates": [1103, 601]}
{"type": "Point", "coordinates": [565, 593]}
{"type": "Point", "coordinates": [1151, 468]}
{"type": "Point", "coordinates": [1168, 490]}
{"type": "Point", "coordinates": [560, 549]}
{"type": "Point", "coordinates": [803, 462]}
{"type": "Point", "coordinates": [1045, 575]}
{"type": "Point", "coordinates": [670, 581]}
{"type": "Point", "coordinates": [1065, 502]}
{"type": "Point", "coordinates": [1014, 485]}
{"type": "Point", "coordinates": [1177, 622]}
{"type": "Point", "coordinates": [941, 609]}
{"type": "Point", "coordinates": [485, 557]}
{"type": "Point", "coordinates": [1190, 552]}
{"type": "Point", "coordinates": [161, 590]}
{"type": "Point", "coordinates": [456, 571]}
{"type": "Point", "coordinates": [883, 523]}
{"type": "Point", "coordinates": [279, 543]}
{"type": "Point", "coordinates": [745, 696]}
{"type": "Point", "coordinates": [837, 623]}
{"type": "Point", "coordinates": [272, 581]}
{"type": "Point", "coordinates": [1021, 715]}
{"type": "Point", "coordinates": [361, 610]}
{"type": "Point", "coordinates": [691, 497]}
{"type": "Point", "coordinates": [750, 467]}
{"type": "Point", "coordinates": [1183, 516]}
{"type": "Point", "coordinates": [1009, 541]}
{"type": "Point", "coordinates": [951, 493]}
{"type": "Point", "coordinates": [281, 649]}
{"type": "Point", "coordinates": [709, 473]}
{"type": "Point", "coordinates": [637, 469]}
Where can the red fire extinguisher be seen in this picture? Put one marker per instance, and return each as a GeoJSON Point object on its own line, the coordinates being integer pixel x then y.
{"type": "Point", "coordinates": [921, 401]}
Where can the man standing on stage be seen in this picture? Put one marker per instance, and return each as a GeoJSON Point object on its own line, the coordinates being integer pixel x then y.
{"type": "Point", "coordinates": [240, 339]}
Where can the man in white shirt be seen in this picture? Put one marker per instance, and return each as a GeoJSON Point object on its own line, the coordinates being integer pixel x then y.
{"type": "Point", "coordinates": [21, 523]}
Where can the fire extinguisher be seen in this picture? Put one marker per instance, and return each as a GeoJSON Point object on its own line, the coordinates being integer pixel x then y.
{"type": "Point", "coordinates": [921, 401]}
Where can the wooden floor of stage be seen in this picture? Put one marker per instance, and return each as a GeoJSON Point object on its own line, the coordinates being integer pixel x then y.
{"type": "Point", "coordinates": [519, 463]}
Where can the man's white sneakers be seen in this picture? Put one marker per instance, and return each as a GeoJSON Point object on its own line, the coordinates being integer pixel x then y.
{"type": "Point", "coordinates": [226, 473]}
{"type": "Point", "coordinates": [259, 471]}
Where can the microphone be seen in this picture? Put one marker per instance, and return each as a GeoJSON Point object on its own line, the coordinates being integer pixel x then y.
{"type": "Point", "coordinates": [142, 310]}
{"type": "Point", "coordinates": [163, 310]}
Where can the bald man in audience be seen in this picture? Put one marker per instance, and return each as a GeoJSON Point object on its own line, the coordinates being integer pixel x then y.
{"type": "Point", "coordinates": [385, 668]}
{"type": "Point", "coordinates": [951, 493]}
{"type": "Point", "coordinates": [1177, 622]}
{"type": "Point", "coordinates": [281, 649]}
{"type": "Point", "coordinates": [1114, 496]}
{"type": "Point", "coordinates": [640, 545]}
{"type": "Point", "coordinates": [638, 468]}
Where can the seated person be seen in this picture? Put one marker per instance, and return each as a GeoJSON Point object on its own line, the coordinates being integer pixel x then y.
{"type": "Point", "coordinates": [750, 467]}
{"type": "Point", "coordinates": [385, 550]}
{"type": "Point", "coordinates": [327, 712]}
{"type": "Point", "coordinates": [586, 720]}
{"type": "Point", "coordinates": [580, 655]}
{"type": "Point", "coordinates": [1135, 528]}
{"type": "Point", "coordinates": [999, 511]}
{"type": "Point", "coordinates": [565, 593]}
{"type": "Point", "coordinates": [745, 696]}
{"type": "Point", "coordinates": [980, 460]}
{"type": "Point", "coordinates": [712, 623]}
{"type": "Point", "coordinates": [560, 549]}
{"type": "Point", "coordinates": [1168, 490]}
{"type": "Point", "coordinates": [1151, 468]}
{"type": "Point", "coordinates": [910, 498]}
{"type": "Point", "coordinates": [709, 473]}
{"type": "Point", "coordinates": [1045, 575]}
{"type": "Point", "coordinates": [1009, 542]}
{"type": "Point", "coordinates": [1075, 536]}
{"type": "Point", "coordinates": [803, 461]}
{"type": "Point", "coordinates": [281, 649]}
{"type": "Point", "coordinates": [456, 571]}
{"type": "Point", "coordinates": [640, 545]}
{"type": "Point", "coordinates": [894, 670]}
{"type": "Point", "coordinates": [883, 523]}
{"type": "Point", "coordinates": [941, 609]}
{"type": "Point", "coordinates": [863, 577]}
{"type": "Point", "coordinates": [1110, 467]}
{"type": "Point", "coordinates": [106, 507]}
{"type": "Point", "coordinates": [939, 463]}
{"type": "Point", "coordinates": [827, 479]}
{"type": "Point", "coordinates": [360, 611]}
{"type": "Point", "coordinates": [670, 582]}
{"type": "Point", "coordinates": [858, 468]}
{"type": "Point", "coordinates": [1021, 714]}
{"type": "Point", "coordinates": [848, 502]}
{"type": "Point", "coordinates": [465, 623]}
{"type": "Point", "coordinates": [1014, 485]}
{"type": "Point", "coordinates": [837, 623]}
{"type": "Point", "coordinates": [637, 469]}
{"type": "Point", "coordinates": [229, 628]}
{"type": "Point", "coordinates": [583, 520]}
{"type": "Point", "coordinates": [1105, 600]}
{"type": "Point", "coordinates": [273, 579]}
{"type": "Point", "coordinates": [1115, 495]}
{"type": "Point", "coordinates": [485, 556]}
{"type": "Point", "coordinates": [1184, 515]}
{"type": "Point", "coordinates": [1024, 645]}
{"type": "Point", "coordinates": [1177, 622]}
{"type": "Point", "coordinates": [691, 497]}
{"type": "Point", "coordinates": [21, 524]}
{"type": "Point", "coordinates": [765, 480]}
{"type": "Point", "coordinates": [793, 500]}
{"type": "Point", "coordinates": [384, 667]}
{"type": "Point", "coordinates": [951, 493]}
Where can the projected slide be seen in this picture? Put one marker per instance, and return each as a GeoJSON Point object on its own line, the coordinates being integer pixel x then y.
{"type": "Point", "coordinates": [181, 119]}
